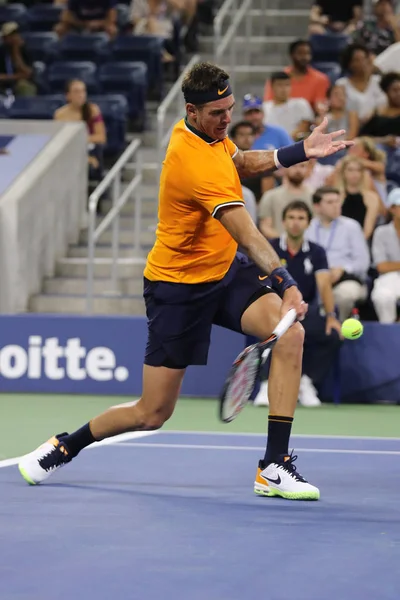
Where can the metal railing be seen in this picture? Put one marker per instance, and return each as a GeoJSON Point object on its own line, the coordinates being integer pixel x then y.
{"type": "Point", "coordinates": [223, 43]}
{"type": "Point", "coordinates": [113, 178]}
{"type": "Point", "coordinates": [174, 95]}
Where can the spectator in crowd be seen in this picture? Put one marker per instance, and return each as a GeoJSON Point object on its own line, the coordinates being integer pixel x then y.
{"type": "Point", "coordinates": [386, 258]}
{"type": "Point", "coordinates": [307, 82]}
{"type": "Point", "coordinates": [268, 137]}
{"type": "Point", "coordinates": [317, 174]}
{"type": "Point", "coordinates": [345, 246]}
{"type": "Point", "coordinates": [293, 114]}
{"type": "Point", "coordinates": [78, 108]}
{"type": "Point", "coordinates": [307, 264]}
{"type": "Point", "coordinates": [381, 30]}
{"type": "Point", "coordinates": [331, 16]}
{"type": "Point", "coordinates": [274, 201]}
{"type": "Point", "coordinates": [335, 109]}
{"type": "Point", "coordinates": [374, 160]}
{"type": "Point", "coordinates": [16, 66]}
{"type": "Point", "coordinates": [88, 16]}
{"type": "Point", "coordinates": [363, 91]}
{"type": "Point", "coordinates": [358, 201]}
{"type": "Point", "coordinates": [243, 135]}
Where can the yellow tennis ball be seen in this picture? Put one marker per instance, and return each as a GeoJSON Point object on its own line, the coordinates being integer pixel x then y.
{"type": "Point", "coordinates": [352, 329]}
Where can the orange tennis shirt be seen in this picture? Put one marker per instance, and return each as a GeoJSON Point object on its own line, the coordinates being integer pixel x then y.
{"type": "Point", "coordinates": [198, 178]}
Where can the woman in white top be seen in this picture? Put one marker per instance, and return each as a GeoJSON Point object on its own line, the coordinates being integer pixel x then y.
{"type": "Point", "coordinates": [363, 91]}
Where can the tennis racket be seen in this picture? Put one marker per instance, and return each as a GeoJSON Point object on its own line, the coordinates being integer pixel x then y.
{"type": "Point", "coordinates": [245, 371]}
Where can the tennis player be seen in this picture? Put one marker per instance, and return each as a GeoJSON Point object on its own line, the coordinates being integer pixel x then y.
{"type": "Point", "coordinates": [194, 277]}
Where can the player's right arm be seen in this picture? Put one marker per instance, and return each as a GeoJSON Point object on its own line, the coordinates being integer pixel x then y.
{"type": "Point", "coordinates": [238, 222]}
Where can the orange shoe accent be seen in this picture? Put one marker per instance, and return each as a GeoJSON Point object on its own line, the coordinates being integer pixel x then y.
{"type": "Point", "coordinates": [260, 479]}
{"type": "Point", "coordinates": [54, 441]}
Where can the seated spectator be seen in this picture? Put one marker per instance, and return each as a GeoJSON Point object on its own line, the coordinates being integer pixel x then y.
{"type": "Point", "coordinates": [243, 135]}
{"type": "Point", "coordinates": [307, 264]}
{"type": "Point", "coordinates": [381, 30]}
{"type": "Point", "coordinates": [331, 16]}
{"type": "Point", "coordinates": [154, 18]}
{"type": "Point", "coordinates": [339, 117]}
{"type": "Point", "coordinates": [363, 91]}
{"type": "Point", "coordinates": [16, 70]}
{"type": "Point", "coordinates": [358, 202]}
{"type": "Point", "coordinates": [275, 201]}
{"type": "Point", "coordinates": [293, 114]}
{"type": "Point", "coordinates": [386, 258]}
{"type": "Point", "coordinates": [267, 137]}
{"type": "Point", "coordinates": [384, 124]}
{"type": "Point", "coordinates": [307, 83]}
{"type": "Point", "coordinates": [345, 246]}
{"type": "Point", "coordinates": [374, 160]}
{"type": "Point", "coordinates": [78, 108]}
{"type": "Point", "coordinates": [88, 16]}
{"type": "Point", "coordinates": [317, 174]}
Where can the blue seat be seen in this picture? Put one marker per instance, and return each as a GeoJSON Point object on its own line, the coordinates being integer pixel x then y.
{"type": "Point", "coordinates": [43, 17]}
{"type": "Point", "coordinates": [13, 12]}
{"type": "Point", "coordinates": [80, 46]}
{"type": "Point", "coordinates": [331, 69]}
{"type": "Point", "coordinates": [328, 47]}
{"type": "Point", "coordinates": [130, 80]}
{"type": "Point", "coordinates": [39, 107]}
{"type": "Point", "coordinates": [144, 48]}
{"type": "Point", "coordinates": [41, 45]}
{"type": "Point", "coordinates": [60, 72]}
{"type": "Point", "coordinates": [114, 108]}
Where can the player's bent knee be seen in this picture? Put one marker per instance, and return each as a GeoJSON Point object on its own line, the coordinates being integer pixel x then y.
{"type": "Point", "coordinates": [155, 419]}
{"type": "Point", "coordinates": [292, 341]}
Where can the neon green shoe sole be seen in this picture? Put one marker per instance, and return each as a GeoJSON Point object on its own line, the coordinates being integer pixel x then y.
{"type": "Point", "coordinates": [26, 476]}
{"type": "Point", "coordinates": [273, 492]}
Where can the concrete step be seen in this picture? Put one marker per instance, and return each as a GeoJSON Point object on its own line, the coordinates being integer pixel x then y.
{"type": "Point", "coordinates": [147, 223]}
{"type": "Point", "coordinates": [77, 267]}
{"type": "Point", "coordinates": [258, 44]}
{"type": "Point", "coordinates": [149, 209]}
{"type": "Point", "coordinates": [102, 305]}
{"type": "Point", "coordinates": [105, 251]}
{"type": "Point", "coordinates": [126, 237]}
{"type": "Point", "coordinates": [78, 286]}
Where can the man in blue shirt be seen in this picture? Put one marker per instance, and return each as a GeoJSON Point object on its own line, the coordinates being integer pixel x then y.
{"type": "Point", "coordinates": [268, 137]}
{"type": "Point", "coordinates": [89, 15]}
{"type": "Point", "coordinates": [308, 265]}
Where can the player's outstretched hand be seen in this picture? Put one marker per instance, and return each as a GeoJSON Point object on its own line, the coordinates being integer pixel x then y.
{"type": "Point", "coordinates": [320, 144]}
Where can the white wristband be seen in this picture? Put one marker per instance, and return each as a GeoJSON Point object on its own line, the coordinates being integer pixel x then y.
{"type": "Point", "coordinates": [276, 161]}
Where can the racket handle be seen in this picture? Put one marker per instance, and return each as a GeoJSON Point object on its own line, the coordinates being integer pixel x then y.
{"type": "Point", "coordinates": [286, 322]}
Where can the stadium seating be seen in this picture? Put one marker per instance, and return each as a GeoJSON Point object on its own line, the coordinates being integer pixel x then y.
{"type": "Point", "coordinates": [13, 12]}
{"type": "Point", "coordinates": [92, 47]}
{"type": "Point", "coordinates": [41, 45]}
{"type": "Point", "coordinates": [130, 80]}
{"type": "Point", "coordinates": [114, 109]}
{"type": "Point", "coordinates": [59, 72]}
{"type": "Point", "coordinates": [40, 107]}
{"type": "Point", "coordinates": [144, 48]}
{"type": "Point", "coordinates": [43, 17]}
{"type": "Point", "coordinates": [328, 47]}
{"type": "Point", "coordinates": [331, 69]}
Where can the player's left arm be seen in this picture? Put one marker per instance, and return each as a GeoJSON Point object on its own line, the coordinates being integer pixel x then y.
{"type": "Point", "coordinates": [319, 144]}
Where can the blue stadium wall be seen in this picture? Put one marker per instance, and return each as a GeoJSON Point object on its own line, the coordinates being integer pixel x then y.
{"type": "Point", "coordinates": [104, 355]}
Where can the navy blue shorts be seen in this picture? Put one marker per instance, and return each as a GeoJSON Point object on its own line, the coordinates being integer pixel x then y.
{"type": "Point", "coordinates": [180, 315]}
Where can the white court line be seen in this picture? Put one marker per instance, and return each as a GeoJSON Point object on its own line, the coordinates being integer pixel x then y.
{"type": "Point", "coordinates": [9, 462]}
{"type": "Point", "coordinates": [294, 435]}
{"type": "Point", "coordinates": [252, 448]}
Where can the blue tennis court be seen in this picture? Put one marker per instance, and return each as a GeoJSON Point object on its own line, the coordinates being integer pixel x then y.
{"type": "Point", "coordinates": [173, 515]}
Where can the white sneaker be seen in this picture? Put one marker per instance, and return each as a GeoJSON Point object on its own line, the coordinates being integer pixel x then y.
{"type": "Point", "coordinates": [262, 397]}
{"type": "Point", "coordinates": [38, 465]}
{"type": "Point", "coordinates": [307, 393]}
{"type": "Point", "coordinates": [282, 479]}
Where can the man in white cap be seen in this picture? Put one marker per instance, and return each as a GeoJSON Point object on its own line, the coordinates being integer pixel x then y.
{"type": "Point", "coordinates": [16, 72]}
{"type": "Point", "coordinates": [386, 257]}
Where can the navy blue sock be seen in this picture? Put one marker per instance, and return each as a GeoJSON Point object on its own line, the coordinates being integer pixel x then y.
{"type": "Point", "coordinates": [78, 440]}
{"type": "Point", "coordinates": [279, 429]}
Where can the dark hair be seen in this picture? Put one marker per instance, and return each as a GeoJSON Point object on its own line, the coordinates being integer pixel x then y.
{"type": "Point", "coordinates": [388, 79]}
{"type": "Point", "coordinates": [294, 45]}
{"type": "Point", "coordinates": [235, 128]}
{"type": "Point", "coordinates": [320, 193]}
{"type": "Point", "coordinates": [203, 77]}
{"type": "Point", "coordinates": [86, 109]}
{"type": "Point", "coordinates": [297, 205]}
{"type": "Point", "coordinates": [279, 76]}
{"type": "Point", "coordinates": [347, 55]}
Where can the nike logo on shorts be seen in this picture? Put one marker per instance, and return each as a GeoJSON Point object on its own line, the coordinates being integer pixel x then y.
{"type": "Point", "coordinates": [262, 277]}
